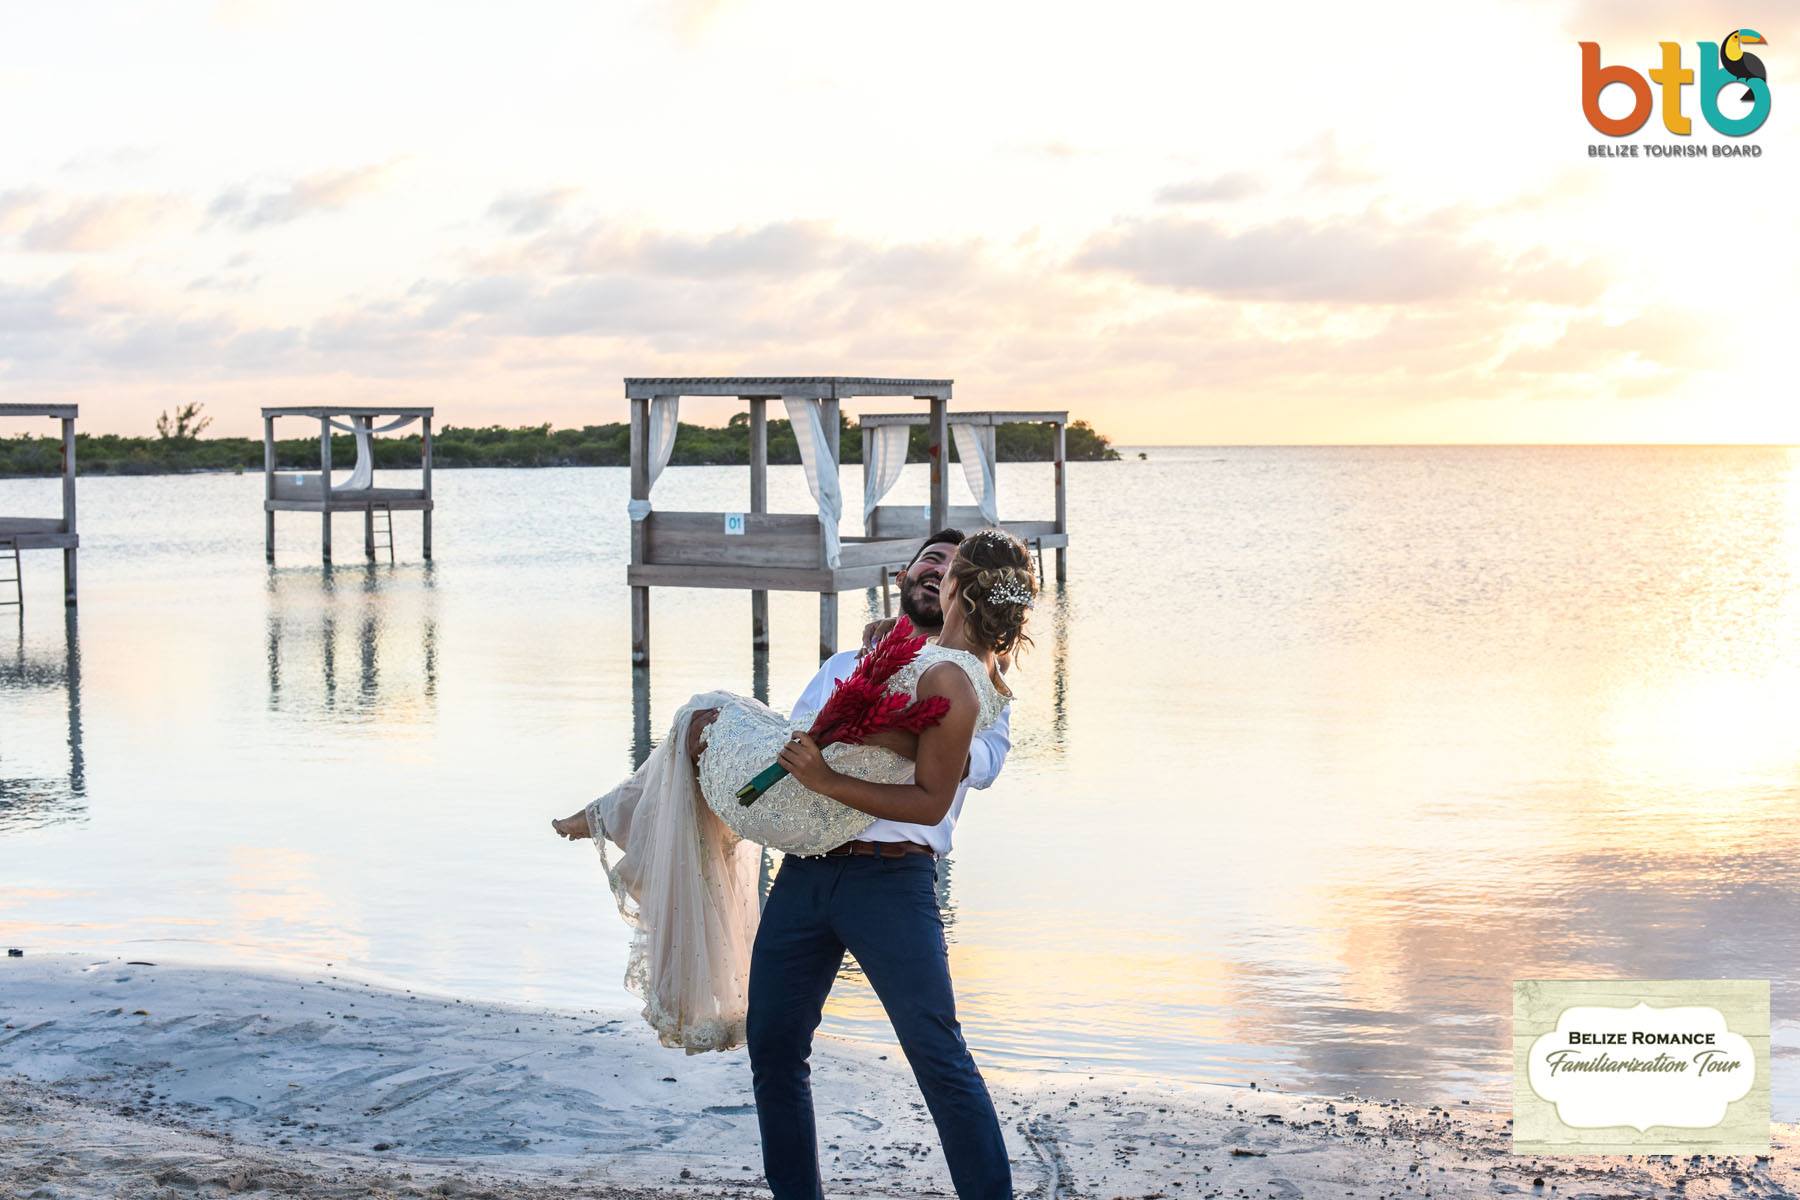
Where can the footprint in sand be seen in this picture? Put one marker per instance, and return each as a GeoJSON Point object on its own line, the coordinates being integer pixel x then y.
{"type": "Point", "coordinates": [862, 1122]}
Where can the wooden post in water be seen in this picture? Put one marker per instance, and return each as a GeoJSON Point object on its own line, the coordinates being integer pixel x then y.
{"type": "Point", "coordinates": [640, 490]}
{"type": "Point", "coordinates": [828, 605]}
{"type": "Point", "coordinates": [940, 463]}
{"type": "Point", "coordinates": [325, 483]}
{"type": "Point", "coordinates": [425, 469]}
{"type": "Point", "coordinates": [268, 487]}
{"type": "Point", "coordinates": [68, 497]}
{"type": "Point", "coordinates": [1059, 452]}
{"type": "Point", "coordinates": [759, 503]}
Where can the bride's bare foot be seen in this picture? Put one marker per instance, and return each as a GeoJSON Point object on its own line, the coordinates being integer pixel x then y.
{"type": "Point", "coordinates": [573, 827]}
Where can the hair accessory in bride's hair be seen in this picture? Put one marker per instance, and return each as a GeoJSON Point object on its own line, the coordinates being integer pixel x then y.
{"type": "Point", "coordinates": [1010, 590]}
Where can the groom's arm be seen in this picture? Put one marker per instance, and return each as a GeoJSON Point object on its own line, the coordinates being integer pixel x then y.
{"type": "Point", "coordinates": [988, 750]}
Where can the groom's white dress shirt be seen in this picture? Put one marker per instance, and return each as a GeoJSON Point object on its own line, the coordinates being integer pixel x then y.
{"type": "Point", "coordinates": [987, 754]}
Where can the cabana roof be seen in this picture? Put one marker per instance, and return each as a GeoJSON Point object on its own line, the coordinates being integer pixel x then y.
{"type": "Point", "coordinates": [997, 417]}
{"type": "Point", "coordinates": [782, 387]}
{"type": "Point", "coordinates": [60, 411]}
{"type": "Point", "coordinates": [351, 410]}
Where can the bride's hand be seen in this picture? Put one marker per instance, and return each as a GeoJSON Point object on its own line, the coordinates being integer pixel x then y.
{"type": "Point", "coordinates": [806, 763]}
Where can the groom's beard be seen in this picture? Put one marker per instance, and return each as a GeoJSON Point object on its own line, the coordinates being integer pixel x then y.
{"type": "Point", "coordinates": [921, 608]}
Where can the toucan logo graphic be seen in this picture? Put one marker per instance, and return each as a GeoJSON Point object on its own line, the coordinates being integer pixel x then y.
{"type": "Point", "coordinates": [1721, 67]}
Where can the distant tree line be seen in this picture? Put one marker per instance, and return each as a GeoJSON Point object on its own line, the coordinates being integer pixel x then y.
{"type": "Point", "coordinates": [177, 449]}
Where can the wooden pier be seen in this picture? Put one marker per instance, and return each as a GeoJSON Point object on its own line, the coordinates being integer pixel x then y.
{"type": "Point", "coordinates": [884, 454]}
{"type": "Point", "coordinates": [314, 492]}
{"type": "Point", "coordinates": [755, 549]}
{"type": "Point", "coordinates": [45, 533]}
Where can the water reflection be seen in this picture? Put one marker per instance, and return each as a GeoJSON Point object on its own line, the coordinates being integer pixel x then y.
{"type": "Point", "coordinates": [1392, 728]}
{"type": "Point", "coordinates": [35, 799]}
{"type": "Point", "coordinates": [348, 629]}
{"type": "Point", "coordinates": [1412, 1004]}
{"type": "Point", "coordinates": [641, 742]}
{"type": "Point", "coordinates": [1059, 664]}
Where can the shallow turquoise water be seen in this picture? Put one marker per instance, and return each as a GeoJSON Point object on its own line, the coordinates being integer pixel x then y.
{"type": "Point", "coordinates": [1317, 751]}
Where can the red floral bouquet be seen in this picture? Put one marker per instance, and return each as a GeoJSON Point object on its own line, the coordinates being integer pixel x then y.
{"type": "Point", "coordinates": [861, 705]}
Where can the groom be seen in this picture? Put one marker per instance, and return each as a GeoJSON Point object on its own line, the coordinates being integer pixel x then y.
{"type": "Point", "coordinates": [876, 898]}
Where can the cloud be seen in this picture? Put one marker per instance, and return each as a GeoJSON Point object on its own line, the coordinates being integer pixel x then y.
{"type": "Point", "coordinates": [1332, 168]}
{"type": "Point", "coordinates": [1234, 185]}
{"type": "Point", "coordinates": [248, 207]}
{"type": "Point", "coordinates": [529, 212]}
{"type": "Point", "coordinates": [83, 224]}
{"type": "Point", "coordinates": [773, 249]}
{"type": "Point", "coordinates": [1368, 310]}
{"type": "Point", "coordinates": [1367, 261]}
{"type": "Point", "coordinates": [692, 20]}
{"type": "Point", "coordinates": [1056, 149]}
{"type": "Point", "coordinates": [16, 208]}
{"type": "Point", "coordinates": [1669, 341]}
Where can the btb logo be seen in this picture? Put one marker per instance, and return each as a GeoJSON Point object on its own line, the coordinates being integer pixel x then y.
{"type": "Point", "coordinates": [1720, 68]}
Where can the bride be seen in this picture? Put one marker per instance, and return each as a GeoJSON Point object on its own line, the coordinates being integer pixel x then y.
{"type": "Point", "coordinates": [686, 877]}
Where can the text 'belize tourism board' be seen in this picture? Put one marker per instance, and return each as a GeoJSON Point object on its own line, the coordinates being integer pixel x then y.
{"type": "Point", "coordinates": [1733, 95]}
{"type": "Point", "coordinates": [1667, 1066]}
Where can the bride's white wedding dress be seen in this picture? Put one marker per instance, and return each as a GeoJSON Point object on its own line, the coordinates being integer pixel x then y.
{"type": "Point", "coordinates": [686, 880]}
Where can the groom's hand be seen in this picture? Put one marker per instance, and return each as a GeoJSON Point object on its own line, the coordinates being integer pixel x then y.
{"type": "Point", "coordinates": [874, 631]}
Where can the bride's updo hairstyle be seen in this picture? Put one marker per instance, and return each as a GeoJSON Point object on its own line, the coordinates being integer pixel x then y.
{"type": "Point", "coordinates": [995, 587]}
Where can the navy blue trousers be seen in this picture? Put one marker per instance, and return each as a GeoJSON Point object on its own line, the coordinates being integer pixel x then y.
{"type": "Point", "coordinates": [885, 912]}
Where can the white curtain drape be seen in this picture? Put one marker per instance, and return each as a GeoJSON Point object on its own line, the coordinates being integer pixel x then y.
{"type": "Point", "coordinates": [664, 411]}
{"type": "Point", "coordinates": [821, 469]}
{"type": "Point", "coordinates": [978, 469]}
{"type": "Point", "coordinates": [887, 458]}
{"type": "Point", "coordinates": [362, 475]}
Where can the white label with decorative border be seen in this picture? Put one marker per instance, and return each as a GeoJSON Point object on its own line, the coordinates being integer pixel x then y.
{"type": "Point", "coordinates": [1657, 1066]}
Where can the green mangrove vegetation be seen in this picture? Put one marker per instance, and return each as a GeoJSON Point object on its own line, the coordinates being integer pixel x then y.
{"type": "Point", "coordinates": [177, 448]}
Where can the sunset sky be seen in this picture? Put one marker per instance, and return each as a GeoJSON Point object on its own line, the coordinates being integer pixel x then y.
{"type": "Point", "coordinates": [1187, 223]}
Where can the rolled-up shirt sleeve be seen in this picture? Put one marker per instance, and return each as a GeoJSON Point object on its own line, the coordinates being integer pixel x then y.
{"type": "Point", "coordinates": [988, 750]}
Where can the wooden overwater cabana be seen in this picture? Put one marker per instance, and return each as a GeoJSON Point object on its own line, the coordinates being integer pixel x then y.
{"type": "Point", "coordinates": [756, 549]}
{"type": "Point", "coordinates": [287, 491]}
{"type": "Point", "coordinates": [884, 444]}
{"type": "Point", "coordinates": [43, 533]}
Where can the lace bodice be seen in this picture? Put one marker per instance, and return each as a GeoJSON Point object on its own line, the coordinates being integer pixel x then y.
{"type": "Point", "coordinates": [788, 817]}
{"type": "Point", "coordinates": [992, 700]}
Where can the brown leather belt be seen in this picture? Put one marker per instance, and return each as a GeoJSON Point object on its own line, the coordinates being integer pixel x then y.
{"type": "Point", "coordinates": [877, 849]}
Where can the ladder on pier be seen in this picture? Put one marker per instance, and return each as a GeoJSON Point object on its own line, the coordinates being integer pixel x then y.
{"type": "Point", "coordinates": [9, 549]}
{"type": "Point", "coordinates": [382, 529]}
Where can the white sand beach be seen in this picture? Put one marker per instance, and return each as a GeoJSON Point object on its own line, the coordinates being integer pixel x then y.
{"type": "Point", "coordinates": [125, 1079]}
